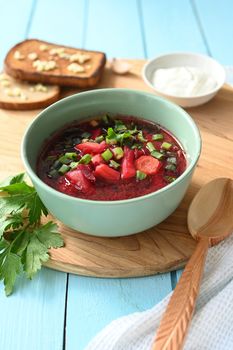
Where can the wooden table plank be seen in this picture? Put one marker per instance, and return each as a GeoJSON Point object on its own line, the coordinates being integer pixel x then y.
{"type": "Point", "coordinates": [216, 20]}
{"type": "Point", "coordinates": [170, 26]}
{"type": "Point", "coordinates": [114, 27]}
{"type": "Point", "coordinates": [93, 303]}
{"type": "Point", "coordinates": [33, 317]}
{"type": "Point", "coordinates": [60, 21]}
{"type": "Point", "coordinates": [13, 25]}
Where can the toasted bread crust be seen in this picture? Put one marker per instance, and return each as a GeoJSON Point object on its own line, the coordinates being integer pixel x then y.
{"type": "Point", "coordinates": [23, 70]}
{"type": "Point", "coordinates": [26, 106]}
{"type": "Point", "coordinates": [19, 95]}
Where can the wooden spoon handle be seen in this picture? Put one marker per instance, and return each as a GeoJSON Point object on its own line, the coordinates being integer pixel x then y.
{"type": "Point", "coordinates": [175, 321]}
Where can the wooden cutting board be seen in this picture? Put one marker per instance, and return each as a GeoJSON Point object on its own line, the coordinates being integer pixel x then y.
{"type": "Point", "coordinates": [162, 248]}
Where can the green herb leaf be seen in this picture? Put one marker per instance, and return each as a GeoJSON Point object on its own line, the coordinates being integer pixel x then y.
{"type": "Point", "coordinates": [12, 180]}
{"type": "Point", "coordinates": [10, 268]}
{"type": "Point", "coordinates": [21, 196]}
{"type": "Point", "coordinates": [37, 250]}
{"type": "Point", "coordinates": [111, 138]}
{"type": "Point", "coordinates": [119, 125]}
{"type": "Point", "coordinates": [14, 220]}
{"type": "Point", "coordinates": [141, 137]}
{"type": "Point", "coordinates": [24, 243]}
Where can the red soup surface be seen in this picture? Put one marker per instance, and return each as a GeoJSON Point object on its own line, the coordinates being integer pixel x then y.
{"type": "Point", "coordinates": [111, 158]}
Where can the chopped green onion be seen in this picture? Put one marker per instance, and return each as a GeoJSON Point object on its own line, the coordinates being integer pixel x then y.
{"type": "Point", "coordinates": [172, 160]}
{"type": "Point", "coordinates": [111, 138]}
{"type": "Point", "coordinates": [76, 140]}
{"type": "Point", "coordinates": [170, 167]}
{"type": "Point", "coordinates": [71, 155]}
{"type": "Point", "coordinates": [85, 159]}
{"type": "Point", "coordinates": [85, 140]}
{"type": "Point", "coordinates": [114, 164]}
{"type": "Point", "coordinates": [99, 138]}
{"type": "Point", "coordinates": [64, 160]}
{"type": "Point", "coordinates": [125, 138]}
{"type": "Point", "coordinates": [53, 173]}
{"type": "Point", "coordinates": [157, 137]}
{"type": "Point", "coordinates": [118, 152]}
{"type": "Point", "coordinates": [106, 119]}
{"type": "Point", "coordinates": [85, 135]}
{"type": "Point", "coordinates": [57, 164]}
{"type": "Point", "coordinates": [119, 126]}
{"type": "Point", "coordinates": [140, 137]}
{"type": "Point", "coordinates": [51, 157]}
{"type": "Point", "coordinates": [150, 146]}
{"type": "Point", "coordinates": [133, 131]}
{"type": "Point", "coordinates": [169, 178]}
{"type": "Point", "coordinates": [157, 154]}
{"type": "Point", "coordinates": [166, 145]}
{"type": "Point", "coordinates": [107, 155]}
{"type": "Point", "coordinates": [63, 169]}
{"type": "Point", "coordinates": [140, 175]}
{"type": "Point", "coordinates": [137, 145]}
{"type": "Point", "coordinates": [73, 165]}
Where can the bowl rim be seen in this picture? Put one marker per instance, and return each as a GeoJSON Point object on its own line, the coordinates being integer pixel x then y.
{"type": "Point", "coordinates": [183, 53]}
{"type": "Point", "coordinates": [32, 174]}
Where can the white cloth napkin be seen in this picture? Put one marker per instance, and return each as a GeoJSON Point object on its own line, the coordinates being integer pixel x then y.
{"type": "Point", "coordinates": [212, 324]}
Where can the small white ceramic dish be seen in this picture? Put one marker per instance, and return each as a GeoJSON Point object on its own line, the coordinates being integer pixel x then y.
{"type": "Point", "coordinates": [180, 59]}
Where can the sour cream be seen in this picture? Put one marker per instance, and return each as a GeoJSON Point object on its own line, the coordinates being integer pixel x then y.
{"type": "Point", "coordinates": [183, 81]}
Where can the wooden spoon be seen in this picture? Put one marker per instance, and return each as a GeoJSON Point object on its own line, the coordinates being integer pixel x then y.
{"type": "Point", "coordinates": [210, 220]}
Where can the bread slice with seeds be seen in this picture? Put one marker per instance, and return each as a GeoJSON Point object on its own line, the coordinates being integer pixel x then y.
{"type": "Point", "coordinates": [39, 61]}
{"type": "Point", "coordinates": [18, 95]}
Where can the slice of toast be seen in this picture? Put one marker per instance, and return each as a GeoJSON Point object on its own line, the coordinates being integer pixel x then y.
{"type": "Point", "coordinates": [40, 61]}
{"type": "Point", "coordinates": [18, 95]}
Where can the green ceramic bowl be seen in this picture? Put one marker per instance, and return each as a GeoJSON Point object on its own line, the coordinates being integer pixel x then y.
{"type": "Point", "coordinates": [112, 218]}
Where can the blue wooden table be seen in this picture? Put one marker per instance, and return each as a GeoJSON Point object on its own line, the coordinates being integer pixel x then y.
{"type": "Point", "coordinates": [60, 311]}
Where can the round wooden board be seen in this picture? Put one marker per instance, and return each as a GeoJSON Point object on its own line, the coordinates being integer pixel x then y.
{"type": "Point", "coordinates": [163, 248]}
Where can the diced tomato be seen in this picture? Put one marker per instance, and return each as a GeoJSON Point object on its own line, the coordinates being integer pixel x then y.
{"type": "Point", "coordinates": [148, 165]}
{"type": "Point", "coordinates": [79, 178]}
{"type": "Point", "coordinates": [91, 147]}
{"type": "Point", "coordinates": [87, 171]}
{"type": "Point", "coordinates": [95, 133]}
{"type": "Point", "coordinates": [127, 166]}
{"type": "Point", "coordinates": [105, 172]}
{"type": "Point", "coordinates": [97, 160]}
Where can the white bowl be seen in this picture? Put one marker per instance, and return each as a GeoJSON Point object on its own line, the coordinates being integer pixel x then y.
{"type": "Point", "coordinates": [181, 59]}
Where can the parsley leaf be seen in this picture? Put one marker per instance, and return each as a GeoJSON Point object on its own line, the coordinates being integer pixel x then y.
{"type": "Point", "coordinates": [14, 220]}
{"type": "Point", "coordinates": [12, 180]}
{"type": "Point", "coordinates": [24, 243]}
{"type": "Point", "coordinates": [10, 268]}
{"type": "Point", "coordinates": [36, 253]}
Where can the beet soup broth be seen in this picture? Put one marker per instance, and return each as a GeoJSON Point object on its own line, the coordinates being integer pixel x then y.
{"type": "Point", "coordinates": [111, 158]}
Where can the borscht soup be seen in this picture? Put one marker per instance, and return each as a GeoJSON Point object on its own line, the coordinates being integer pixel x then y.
{"type": "Point", "coordinates": [111, 158]}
